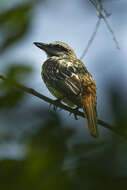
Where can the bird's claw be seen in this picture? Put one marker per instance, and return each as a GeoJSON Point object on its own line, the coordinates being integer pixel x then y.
{"type": "Point", "coordinates": [74, 114]}
{"type": "Point", "coordinates": [54, 106]}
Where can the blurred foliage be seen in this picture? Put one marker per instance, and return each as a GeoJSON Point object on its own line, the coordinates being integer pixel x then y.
{"type": "Point", "coordinates": [15, 23]}
{"type": "Point", "coordinates": [10, 95]}
{"type": "Point", "coordinates": [119, 107]}
{"type": "Point", "coordinates": [54, 157]}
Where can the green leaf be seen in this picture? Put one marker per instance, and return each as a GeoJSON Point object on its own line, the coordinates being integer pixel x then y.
{"type": "Point", "coordinates": [14, 24]}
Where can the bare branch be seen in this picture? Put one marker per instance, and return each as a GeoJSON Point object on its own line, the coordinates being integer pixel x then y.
{"type": "Point", "coordinates": [112, 32]}
{"type": "Point", "coordinates": [98, 5]}
{"type": "Point", "coordinates": [92, 38]}
{"type": "Point", "coordinates": [93, 2]}
{"type": "Point", "coordinates": [107, 14]}
{"type": "Point", "coordinates": [75, 112]}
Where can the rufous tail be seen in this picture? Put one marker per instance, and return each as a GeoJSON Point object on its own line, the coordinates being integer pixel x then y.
{"type": "Point", "coordinates": [89, 107]}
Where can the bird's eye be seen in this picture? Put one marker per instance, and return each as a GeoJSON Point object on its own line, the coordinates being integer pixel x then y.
{"type": "Point", "coordinates": [61, 48]}
{"type": "Point", "coordinates": [57, 46]}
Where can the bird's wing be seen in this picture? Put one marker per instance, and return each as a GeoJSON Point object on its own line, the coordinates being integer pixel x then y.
{"type": "Point", "coordinates": [63, 76]}
{"type": "Point", "coordinates": [71, 79]}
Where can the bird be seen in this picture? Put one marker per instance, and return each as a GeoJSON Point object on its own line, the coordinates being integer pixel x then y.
{"type": "Point", "coordinates": [68, 79]}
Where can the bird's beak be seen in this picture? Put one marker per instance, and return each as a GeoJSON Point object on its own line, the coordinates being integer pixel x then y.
{"type": "Point", "coordinates": [42, 46]}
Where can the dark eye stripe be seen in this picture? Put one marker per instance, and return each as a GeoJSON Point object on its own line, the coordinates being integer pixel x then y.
{"type": "Point", "coordinates": [61, 48]}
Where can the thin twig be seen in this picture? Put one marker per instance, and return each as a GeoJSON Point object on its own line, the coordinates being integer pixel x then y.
{"type": "Point", "coordinates": [107, 14]}
{"type": "Point", "coordinates": [98, 5]}
{"type": "Point", "coordinates": [112, 32]}
{"type": "Point", "coordinates": [93, 2]}
{"type": "Point", "coordinates": [93, 34]}
{"type": "Point", "coordinates": [62, 106]}
{"type": "Point", "coordinates": [92, 38]}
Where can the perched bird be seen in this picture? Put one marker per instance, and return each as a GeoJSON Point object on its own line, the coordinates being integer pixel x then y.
{"type": "Point", "coordinates": [68, 80]}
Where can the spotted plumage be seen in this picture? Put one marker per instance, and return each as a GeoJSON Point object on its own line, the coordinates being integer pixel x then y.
{"type": "Point", "coordinates": [68, 79]}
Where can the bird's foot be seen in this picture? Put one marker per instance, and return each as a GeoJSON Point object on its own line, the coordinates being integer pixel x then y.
{"type": "Point", "coordinates": [74, 113]}
{"type": "Point", "coordinates": [55, 106]}
{"type": "Point", "coordinates": [57, 101]}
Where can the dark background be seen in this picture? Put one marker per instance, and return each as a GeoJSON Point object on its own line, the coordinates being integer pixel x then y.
{"type": "Point", "coordinates": [43, 149]}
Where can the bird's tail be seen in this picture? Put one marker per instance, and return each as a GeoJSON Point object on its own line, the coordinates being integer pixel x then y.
{"type": "Point", "coordinates": [89, 107]}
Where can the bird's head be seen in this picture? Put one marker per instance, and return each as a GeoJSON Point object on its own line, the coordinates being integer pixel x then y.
{"type": "Point", "coordinates": [57, 48]}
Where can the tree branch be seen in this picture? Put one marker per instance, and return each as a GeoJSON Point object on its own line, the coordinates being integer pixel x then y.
{"type": "Point", "coordinates": [60, 105]}
{"type": "Point", "coordinates": [98, 5]}
{"type": "Point", "coordinates": [91, 39]}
